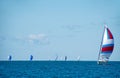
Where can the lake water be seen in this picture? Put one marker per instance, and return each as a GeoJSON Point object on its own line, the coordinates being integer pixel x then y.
{"type": "Point", "coordinates": [58, 69]}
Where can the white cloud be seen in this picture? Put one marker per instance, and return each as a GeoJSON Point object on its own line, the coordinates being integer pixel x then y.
{"type": "Point", "coordinates": [40, 39]}
{"type": "Point", "coordinates": [37, 36]}
{"type": "Point", "coordinates": [32, 39]}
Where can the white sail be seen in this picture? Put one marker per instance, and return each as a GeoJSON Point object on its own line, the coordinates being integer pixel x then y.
{"type": "Point", "coordinates": [78, 58]}
{"type": "Point", "coordinates": [56, 58]}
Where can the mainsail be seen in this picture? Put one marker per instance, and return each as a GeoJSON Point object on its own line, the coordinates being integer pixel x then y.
{"type": "Point", "coordinates": [31, 57]}
{"type": "Point", "coordinates": [107, 46]}
{"type": "Point", "coordinates": [65, 58]}
{"type": "Point", "coordinates": [56, 58]}
{"type": "Point", "coordinates": [9, 57]}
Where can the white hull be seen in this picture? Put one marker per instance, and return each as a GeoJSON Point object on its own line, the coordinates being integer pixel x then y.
{"type": "Point", "coordinates": [101, 62]}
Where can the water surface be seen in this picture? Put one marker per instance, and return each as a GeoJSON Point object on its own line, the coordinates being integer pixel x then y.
{"type": "Point", "coordinates": [58, 69]}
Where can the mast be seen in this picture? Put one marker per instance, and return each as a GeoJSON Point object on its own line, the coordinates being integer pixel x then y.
{"type": "Point", "coordinates": [101, 43]}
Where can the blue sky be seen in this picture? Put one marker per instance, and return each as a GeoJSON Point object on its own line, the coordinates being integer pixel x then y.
{"type": "Point", "coordinates": [50, 28]}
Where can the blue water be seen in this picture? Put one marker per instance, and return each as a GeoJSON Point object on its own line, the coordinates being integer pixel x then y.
{"type": "Point", "coordinates": [58, 69]}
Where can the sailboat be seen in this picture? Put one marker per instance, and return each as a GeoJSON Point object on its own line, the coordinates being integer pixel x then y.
{"type": "Point", "coordinates": [56, 58]}
{"type": "Point", "coordinates": [78, 58]}
{"type": "Point", "coordinates": [31, 57]}
{"type": "Point", "coordinates": [106, 47]}
{"type": "Point", "coordinates": [9, 57]}
{"type": "Point", "coordinates": [65, 58]}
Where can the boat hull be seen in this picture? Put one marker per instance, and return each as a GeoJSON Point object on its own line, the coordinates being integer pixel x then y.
{"type": "Point", "coordinates": [101, 62]}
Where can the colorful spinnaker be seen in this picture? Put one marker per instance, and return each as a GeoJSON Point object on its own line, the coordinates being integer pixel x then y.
{"type": "Point", "coordinates": [106, 47]}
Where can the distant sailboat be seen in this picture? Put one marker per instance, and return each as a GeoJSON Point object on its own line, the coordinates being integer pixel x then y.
{"type": "Point", "coordinates": [31, 57]}
{"type": "Point", "coordinates": [56, 58]}
{"type": "Point", "coordinates": [65, 58]}
{"type": "Point", "coordinates": [106, 47]}
{"type": "Point", "coordinates": [9, 57]}
{"type": "Point", "coordinates": [78, 58]}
